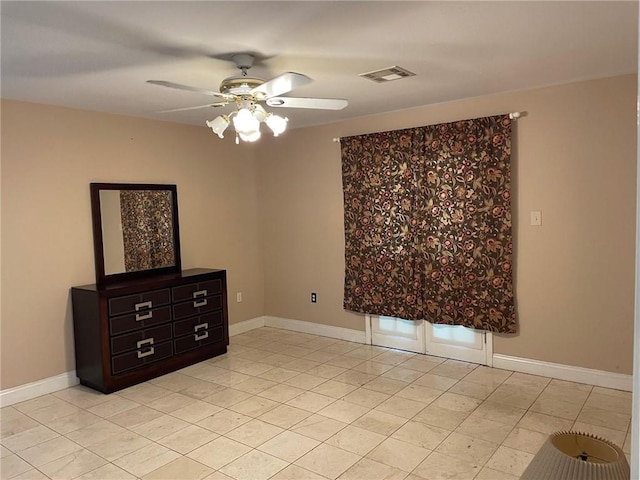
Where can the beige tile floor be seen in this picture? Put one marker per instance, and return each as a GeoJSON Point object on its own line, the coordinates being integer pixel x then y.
{"type": "Point", "coordinates": [285, 405]}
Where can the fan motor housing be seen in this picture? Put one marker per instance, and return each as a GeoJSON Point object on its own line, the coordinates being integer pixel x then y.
{"type": "Point", "coordinates": [240, 85]}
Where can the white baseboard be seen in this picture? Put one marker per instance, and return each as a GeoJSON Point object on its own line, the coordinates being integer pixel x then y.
{"type": "Point", "coordinates": [316, 329]}
{"type": "Point", "coordinates": [570, 373]}
{"type": "Point", "coordinates": [31, 390]}
{"type": "Point", "coordinates": [245, 326]}
{"type": "Point", "coordinates": [11, 396]}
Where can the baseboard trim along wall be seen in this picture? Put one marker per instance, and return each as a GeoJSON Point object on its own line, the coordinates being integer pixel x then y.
{"type": "Point", "coordinates": [570, 373]}
{"type": "Point", "coordinates": [600, 378]}
{"type": "Point", "coordinates": [341, 333]}
{"type": "Point", "coordinates": [38, 388]}
{"type": "Point", "coordinates": [241, 327]}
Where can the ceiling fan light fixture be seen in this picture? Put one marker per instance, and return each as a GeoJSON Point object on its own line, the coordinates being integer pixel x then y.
{"type": "Point", "coordinates": [245, 123]}
{"type": "Point", "coordinates": [218, 125]}
{"type": "Point", "coordinates": [260, 113]}
{"type": "Point", "coordinates": [246, 92]}
{"type": "Point", "coordinates": [250, 137]}
{"type": "Point", "coordinates": [276, 123]}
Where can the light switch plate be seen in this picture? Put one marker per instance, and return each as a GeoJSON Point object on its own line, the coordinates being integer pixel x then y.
{"type": "Point", "coordinates": [536, 218]}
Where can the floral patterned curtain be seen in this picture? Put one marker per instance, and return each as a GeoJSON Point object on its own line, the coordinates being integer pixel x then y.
{"type": "Point", "coordinates": [147, 229]}
{"type": "Point", "coordinates": [428, 224]}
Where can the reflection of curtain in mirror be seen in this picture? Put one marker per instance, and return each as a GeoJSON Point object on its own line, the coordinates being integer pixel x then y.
{"type": "Point", "coordinates": [147, 229]}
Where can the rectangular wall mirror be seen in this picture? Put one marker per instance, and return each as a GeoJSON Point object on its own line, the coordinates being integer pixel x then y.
{"type": "Point", "coordinates": [135, 230]}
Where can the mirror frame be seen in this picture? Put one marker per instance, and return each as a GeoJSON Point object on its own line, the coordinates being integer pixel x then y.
{"type": "Point", "coordinates": [98, 245]}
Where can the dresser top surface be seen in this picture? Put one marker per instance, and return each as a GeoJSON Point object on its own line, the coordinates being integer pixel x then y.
{"type": "Point", "coordinates": [155, 281]}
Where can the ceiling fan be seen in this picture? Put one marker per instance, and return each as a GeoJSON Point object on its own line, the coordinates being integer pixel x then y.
{"type": "Point", "coordinates": [248, 93]}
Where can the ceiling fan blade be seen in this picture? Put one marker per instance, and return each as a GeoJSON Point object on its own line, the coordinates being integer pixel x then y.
{"type": "Point", "coordinates": [281, 84]}
{"type": "Point", "coordinates": [184, 109]}
{"type": "Point", "coordinates": [179, 86]}
{"type": "Point", "coordinates": [317, 103]}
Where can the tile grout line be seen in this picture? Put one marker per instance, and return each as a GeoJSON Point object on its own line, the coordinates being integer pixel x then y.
{"type": "Point", "coordinates": [339, 352]}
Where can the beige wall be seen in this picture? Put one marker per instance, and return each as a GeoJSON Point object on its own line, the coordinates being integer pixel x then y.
{"type": "Point", "coordinates": [49, 157]}
{"type": "Point", "coordinates": [574, 159]}
{"type": "Point", "coordinates": [271, 214]}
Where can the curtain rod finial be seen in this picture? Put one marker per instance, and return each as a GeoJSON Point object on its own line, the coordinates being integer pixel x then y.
{"type": "Point", "coordinates": [514, 115]}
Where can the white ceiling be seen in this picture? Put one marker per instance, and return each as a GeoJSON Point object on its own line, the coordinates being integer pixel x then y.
{"type": "Point", "coordinates": [98, 55]}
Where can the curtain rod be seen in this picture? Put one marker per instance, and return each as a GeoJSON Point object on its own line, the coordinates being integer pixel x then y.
{"type": "Point", "coordinates": [512, 116]}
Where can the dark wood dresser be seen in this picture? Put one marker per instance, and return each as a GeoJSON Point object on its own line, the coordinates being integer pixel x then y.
{"type": "Point", "coordinates": [131, 331]}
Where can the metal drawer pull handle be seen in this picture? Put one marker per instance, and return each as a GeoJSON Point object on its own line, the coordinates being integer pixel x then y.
{"type": "Point", "coordinates": [145, 342]}
{"type": "Point", "coordinates": [200, 293]}
{"type": "Point", "coordinates": [201, 303]}
{"type": "Point", "coordinates": [144, 316]}
{"type": "Point", "coordinates": [148, 350]}
{"type": "Point", "coordinates": [201, 336]}
{"type": "Point", "coordinates": [146, 353]}
{"type": "Point", "coordinates": [143, 305]}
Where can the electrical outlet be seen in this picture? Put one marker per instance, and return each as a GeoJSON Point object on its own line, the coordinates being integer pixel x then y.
{"type": "Point", "coordinates": [239, 297]}
{"type": "Point", "coordinates": [314, 297]}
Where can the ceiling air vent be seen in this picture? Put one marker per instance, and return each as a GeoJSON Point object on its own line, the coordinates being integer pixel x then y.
{"type": "Point", "coordinates": [388, 74]}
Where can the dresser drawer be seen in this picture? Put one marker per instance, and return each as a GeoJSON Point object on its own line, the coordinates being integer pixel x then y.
{"type": "Point", "coordinates": [138, 302]}
{"type": "Point", "coordinates": [195, 290]}
{"type": "Point", "coordinates": [143, 356]}
{"type": "Point", "coordinates": [196, 324]}
{"type": "Point", "coordinates": [142, 319]}
{"type": "Point", "coordinates": [140, 339]}
{"type": "Point", "coordinates": [197, 306]}
{"type": "Point", "coordinates": [195, 340]}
